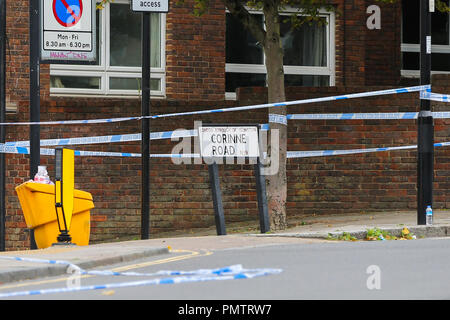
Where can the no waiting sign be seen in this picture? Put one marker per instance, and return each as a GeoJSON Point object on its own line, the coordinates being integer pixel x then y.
{"type": "Point", "coordinates": [68, 31]}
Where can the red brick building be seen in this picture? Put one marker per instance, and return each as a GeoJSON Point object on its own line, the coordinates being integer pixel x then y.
{"type": "Point", "coordinates": [209, 61]}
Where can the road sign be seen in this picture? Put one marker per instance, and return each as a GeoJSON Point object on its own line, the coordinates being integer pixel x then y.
{"type": "Point", "coordinates": [150, 5]}
{"type": "Point", "coordinates": [236, 141]}
{"type": "Point", "coordinates": [68, 31]}
{"type": "Point", "coordinates": [229, 141]}
{"type": "Point", "coordinates": [67, 12]}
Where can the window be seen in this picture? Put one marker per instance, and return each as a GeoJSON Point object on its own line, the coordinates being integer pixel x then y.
{"type": "Point", "coordinates": [117, 71]}
{"type": "Point", "coordinates": [308, 54]}
{"type": "Point", "coordinates": [440, 40]}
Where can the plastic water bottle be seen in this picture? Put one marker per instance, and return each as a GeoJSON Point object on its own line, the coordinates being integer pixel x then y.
{"type": "Point", "coordinates": [429, 213]}
{"type": "Point", "coordinates": [42, 176]}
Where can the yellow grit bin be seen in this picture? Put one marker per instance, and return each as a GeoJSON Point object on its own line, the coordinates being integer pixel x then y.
{"type": "Point", "coordinates": [55, 209]}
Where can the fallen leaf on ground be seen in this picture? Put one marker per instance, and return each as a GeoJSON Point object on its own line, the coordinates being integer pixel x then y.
{"type": "Point", "coordinates": [108, 292]}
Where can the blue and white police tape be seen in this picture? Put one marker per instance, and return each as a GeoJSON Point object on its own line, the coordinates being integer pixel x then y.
{"type": "Point", "coordinates": [51, 152]}
{"type": "Point", "coordinates": [278, 118]}
{"type": "Point", "coordinates": [426, 95]}
{"type": "Point", "coordinates": [180, 133]}
{"type": "Point", "coordinates": [290, 154]}
{"type": "Point", "coordinates": [356, 116]}
{"type": "Point", "coordinates": [304, 101]}
{"type": "Point", "coordinates": [233, 272]}
{"type": "Point", "coordinates": [159, 281]}
{"type": "Point", "coordinates": [242, 108]}
{"type": "Point", "coordinates": [323, 153]}
{"type": "Point", "coordinates": [86, 121]}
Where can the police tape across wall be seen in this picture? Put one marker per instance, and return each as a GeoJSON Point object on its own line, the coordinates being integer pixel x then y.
{"type": "Point", "coordinates": [182, 133]}
{"type": "Point", "coordinates": [423, 88]}
{"type": "Point", "coordinates": [22, 147]}
{"type": "Point", "coordinates": [426, 95]}
{"type": "Point", "coordinates": [290, 154]}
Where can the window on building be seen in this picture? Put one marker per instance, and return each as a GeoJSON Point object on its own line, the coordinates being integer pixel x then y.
{"type": "Point", "coordinates": [117, 71]}
{"type": "Point", "coordinates": [440, 40]}
{"type": "Point", "coordinates": [308, 54]}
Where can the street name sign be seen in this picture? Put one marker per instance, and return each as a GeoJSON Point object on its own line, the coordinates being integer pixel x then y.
{"type": "Point", "coordinates": [68, 32]}
{"type": "Point", "coordinates": [150, 6]}
{"type": "Point", "coordinates": [229, 141]}
{"type": "Point", "coordinates": [236, 141]}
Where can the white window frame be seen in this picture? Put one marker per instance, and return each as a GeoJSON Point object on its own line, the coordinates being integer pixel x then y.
{"type": "Point", "coordinates": [414, 47]}
{"type": "Point", "coordinates": [104, 71]}
{"type": "Point", "coordinates": [328, 70]}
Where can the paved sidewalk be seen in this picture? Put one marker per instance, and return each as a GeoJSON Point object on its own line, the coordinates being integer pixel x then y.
{"type": "Point", "coordinates": [357, 224]}
{"type": "Point", "coordinates": [304, 229]}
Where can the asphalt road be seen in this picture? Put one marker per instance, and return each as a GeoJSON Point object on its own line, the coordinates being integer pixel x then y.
{"type": "Point", "coordinates": [414, 269]}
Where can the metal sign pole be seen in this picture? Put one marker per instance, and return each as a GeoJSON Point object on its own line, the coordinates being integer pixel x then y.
{"type": "Point", "coordinates": [425, 138]}
{"type": "Point", "coordinates": [145, 7]}
{"type": "Point", "coordinates": [217, 198]}
{"type": "Point", "coordinates": [34, 96]}
{"type": "Point", "coordinates": [145, 141]}
{"type": "Point", "coordinates": [235, 141]}
{"type": "Point", "coordinates": [2, 119]}
{"type": "Point", "coordinates": [263, 209]}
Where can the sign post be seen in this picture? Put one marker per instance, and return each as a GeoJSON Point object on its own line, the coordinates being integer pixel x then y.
{"type": "Point", "coordinates": [68, 32]}
{"type": "Point", "coordinates": [2, 119]}
{"type": "Point", "coordinates": [219, 216]}
{"type": "Point", "coordinates": [146, 7]}
{"type": "Point", "coordinates": [61, 31]}
{"type": "Point", "coordinates": [425, 136]}
{"type": "Point", "coordinates": [35, 107]}
{"type": "Point", "coordinates": [233, 141]}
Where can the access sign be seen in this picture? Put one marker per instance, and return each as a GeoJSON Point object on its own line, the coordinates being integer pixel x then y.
{"type": "Point", "coordinates": [150, 6]}
{"type": "Point", "coordinates": [68, 31]}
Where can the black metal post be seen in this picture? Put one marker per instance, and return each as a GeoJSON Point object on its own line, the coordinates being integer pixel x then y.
{"type": "Point", "coordinates": [263, 210]}
{"type": "Point", "coordinates": [425, 137]}
{"type": "Point", "coordinates": [34, 95]}
{"type": "Point", "coordinates": [2, 119]}
{"type": "Point", "coordinates": [145, 139]}
{"type": "Point", "coordinates": [217, 199]}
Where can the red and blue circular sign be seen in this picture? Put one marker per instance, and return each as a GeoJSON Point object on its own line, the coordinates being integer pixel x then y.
{"type": "Point", "coordinates": [67, 12]}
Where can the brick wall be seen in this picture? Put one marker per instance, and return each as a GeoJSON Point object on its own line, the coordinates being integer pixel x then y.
{"type": "Point", "coordinates": [382, 47]}
{"type": "Point", "coordinates": [364, 182]}
{"type": "Point", "coordinates": [180, 194]}
{"type": "Point", "coordinates": [195, 52]}
{"type": "Point", "coordinates": [363, 56]}
{"type": "Point", "coordinates": [195, 64]}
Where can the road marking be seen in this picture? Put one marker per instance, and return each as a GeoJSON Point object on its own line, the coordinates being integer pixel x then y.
{"type": "Point", "coordinates": [189, 254]}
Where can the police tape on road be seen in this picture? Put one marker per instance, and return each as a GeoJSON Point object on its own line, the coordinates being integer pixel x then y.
{"type": "Point", "coordinates": [233, 272]}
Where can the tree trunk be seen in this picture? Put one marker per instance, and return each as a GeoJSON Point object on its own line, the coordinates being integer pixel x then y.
{"type": "Point", "coordinates": [276, 181]}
